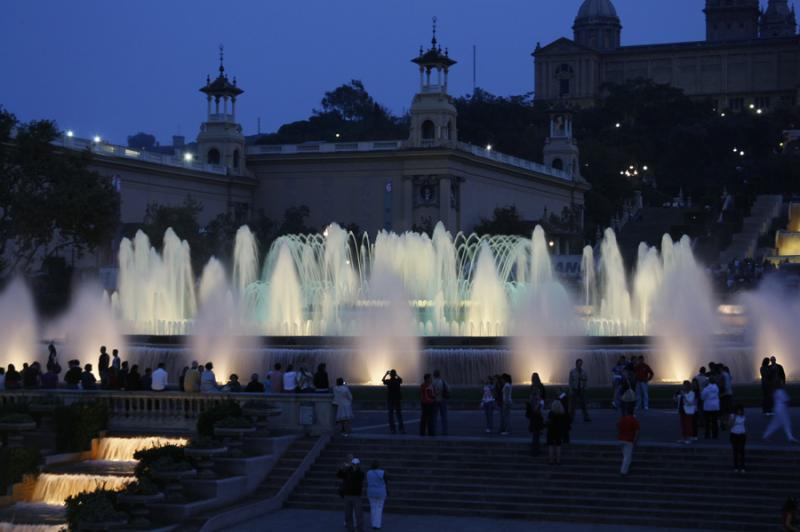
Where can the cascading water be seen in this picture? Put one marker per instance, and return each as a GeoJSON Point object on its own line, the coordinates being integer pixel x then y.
{"type": "Point", "coordinates": [122, 449]}
{"type": "Point", "coordinates": [56, 488]}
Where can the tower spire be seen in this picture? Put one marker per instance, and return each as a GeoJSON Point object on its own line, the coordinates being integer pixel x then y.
{"type": "Point", "coordinates": [221, 59]}
{"type": "Point", "coordinates": [433, 40]}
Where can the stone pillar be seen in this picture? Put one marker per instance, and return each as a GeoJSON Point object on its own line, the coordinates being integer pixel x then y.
{"type": "Point", "coordinates": [445, 209]}
{"type": "Point", "coordinates": [408, 202]}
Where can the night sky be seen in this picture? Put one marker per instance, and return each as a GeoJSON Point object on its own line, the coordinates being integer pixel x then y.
{"type": "Point", "coordinates": [117, 67]}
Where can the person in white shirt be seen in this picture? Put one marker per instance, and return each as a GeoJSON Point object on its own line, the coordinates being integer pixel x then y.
{"type": "Point", "coordinates": [290, 380]}
{"type": "Point", "coordinates": [738, 438]}
{"type": "Point", "coordinates": [208, 381]}
{"type": "Point", "coordinates": [710, 395]}
{"type": "Point", "coordinates": [687, 408]}
{"type": "Point", "coordinates": [780, 418]}
{"type": "Point", "coordinates": [159, 379]}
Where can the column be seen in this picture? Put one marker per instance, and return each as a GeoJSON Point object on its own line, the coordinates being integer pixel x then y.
{"type": "Point", "coordinates": [233, 109]}
{"type": "Point", "coordinates": [408, 205]}
{"type": "Point", "coordinates": [209, 107]}
{"type": "Point", "coordinates": [444, 202]}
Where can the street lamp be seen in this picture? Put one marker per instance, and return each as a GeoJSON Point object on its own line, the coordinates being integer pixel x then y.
{"type": "Point", "coordinates": [617, 125]}
{"type": "Point", "coordinates": [188, 157]}
{"type": "Point", "coordinates": [488, 147]}
{"type": "Point", "coordinates": [70, 133]}
{"type": "Point", "coordinates": [97, 139]}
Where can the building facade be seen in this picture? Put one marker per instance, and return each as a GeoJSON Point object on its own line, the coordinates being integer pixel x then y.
{"type": "Point", "coordinates": [750, 57]}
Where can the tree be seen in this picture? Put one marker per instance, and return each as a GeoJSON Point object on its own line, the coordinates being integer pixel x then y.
{"type": "Point", "coordinates": [142, 141]}
{"type": "Point", "coordinates": [294, 222]}
{"type": "Point", "coordinates": [505, 221]}
{"type": "Point", "coordinates": [50, 201]}
{"type": "Point", "coordinates": [183, 219]}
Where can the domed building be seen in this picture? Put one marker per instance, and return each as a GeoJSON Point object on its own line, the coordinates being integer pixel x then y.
{"type": "Point", "coordinates": [749, 57]}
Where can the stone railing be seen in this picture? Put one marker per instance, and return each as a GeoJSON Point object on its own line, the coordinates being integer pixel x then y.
{"type": "Point", "coordinates": [178, 411]}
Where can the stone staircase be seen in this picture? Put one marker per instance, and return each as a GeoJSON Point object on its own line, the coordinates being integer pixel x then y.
{"type": "Point", "coordinates": [669, 486]}
{"type": "Point", "coordinates": [744, 243]}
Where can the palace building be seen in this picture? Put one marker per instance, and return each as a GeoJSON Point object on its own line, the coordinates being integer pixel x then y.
{"type": "Point", "coordinates": [397, 185]}
{"type": "Point", "coordinates": [750, 57]}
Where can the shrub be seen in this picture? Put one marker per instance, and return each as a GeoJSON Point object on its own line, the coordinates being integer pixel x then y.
{"type": "Point", "coordinates": [157, 456]}
{"type": "Point", "coordinates": [16, 462]}
{"type": "Point", "coordinates": [233, 423]}
{"type": "Point", "coordinates": [16, 418]}
{"type": "Point", "coordinates": [207, 419]}
{"type": "Point", "coordinates": [96, 507]}
{"type": "Point", "coordinates": [143, 486]}
{"type": "Point", "coordinates": [204, 442]}
{"type": "Point", "coordinates": [78, 423]}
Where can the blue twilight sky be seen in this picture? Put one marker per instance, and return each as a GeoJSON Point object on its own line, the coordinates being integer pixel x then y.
{"type": "Point", "coordinates": [115, 67]}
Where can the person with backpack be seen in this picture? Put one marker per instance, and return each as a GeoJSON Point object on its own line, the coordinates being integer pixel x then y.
{"type": "Point", "coordinates": [427, 398]}
{"type": "Point", "coordinates": [441, 393]}
{"type": "Point", "coordinates": [505, 412]}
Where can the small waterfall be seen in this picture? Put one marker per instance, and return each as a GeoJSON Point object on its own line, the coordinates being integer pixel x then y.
{"type": "Point", "coordinates": [14, 527]}
{"type": "Point", "coordinates": [123, 449]}
{"type": "Point", "coordinates": [55, 489]}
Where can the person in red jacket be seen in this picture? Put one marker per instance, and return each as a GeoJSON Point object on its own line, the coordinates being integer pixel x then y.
{"type": "Point", "coordinates": [643, 375]}
{"type": "Point", "coordinates": [628, 430]}
{"type": "Point", "coordinates": [427, 399]}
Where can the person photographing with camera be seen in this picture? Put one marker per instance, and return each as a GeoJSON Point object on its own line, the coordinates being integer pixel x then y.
{"type": "Point", "coordinates": [394, 400]}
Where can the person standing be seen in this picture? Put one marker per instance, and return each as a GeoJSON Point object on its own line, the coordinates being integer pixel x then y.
{"type": "Point", "coordinates": [779, 375]}
{"type": "Point", "coordinates": [115, 360]}
{"type": "Point", "coordinates": [537, 388]}
{"type": "Point", "coordinates": [628, 434]}
{"type": "Point", "coordinates": [617, 375]}
{"type": "Point", "coordinates": [487, 403]}
{"type": "Point", "coordinates": [441, 393]}
{"type": "Point", "coordinates": [766, 387]}
{"type": "Point", "coordinates": [557, 431]}
{"type": "Point", "coordinates": [343, 400]}
{"type": "Point", "coordinates": [158, 381]}
{"type": "Point", "coordinates": [687, 408]}
{"type": "Point", "coordinates": [394, 400]}
{"type": "Point", "coordinates": [780, 417]}
{"type": "Point", "coordinates": [578, 380]}
{"type": "Point", "coordinates": [191, 381]}
{"type": "Point", "coordinates": [505, 412]}
{"type": "Point", "coordinates": [376, 493]}
{"type": "Point", "coordinates": [52, 359]}
{"type": "Point", "coordinates": [352, 487]}
{"type": "Point", "coordinates": [14, 379]}
{"type": "Point", "coordinates": [134, 379]}
{"type": "Point", "coordinates": [102, 366]}
{"type": "Point", "coordinates": [710, 395]}
{"type": "Point", "coordinates": [275, 377]}
{"type": "Point", "coordinates": [533, 412]}
{"type": "Point", "coordinates": [426, 400]}
{"type": "Point", "coordinates": [2, 378]}
{"type": "Point", "coordinates": [254, 386]}
{"type": "Point", "coordinates": [644, 374]}
{"type": "Point", "coordinates": [725, 396]}
{"type": "Point", "coordinates": [738, 437]}
{"type": "Point", "coordinates": [321, 382]}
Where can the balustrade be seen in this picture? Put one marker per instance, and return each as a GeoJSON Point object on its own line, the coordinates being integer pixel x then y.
{"type": "Point", "coordinates": [170, 411]}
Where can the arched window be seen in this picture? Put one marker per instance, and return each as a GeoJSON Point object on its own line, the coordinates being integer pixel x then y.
{"type": "Point", "coordinates": [213, 156]}
{"type": "Point", "coordinates": [428, 130]}
{"type": "Point", "coordinates": [558, 164]}
{"type": "Point", "coordinates": [236, 158]}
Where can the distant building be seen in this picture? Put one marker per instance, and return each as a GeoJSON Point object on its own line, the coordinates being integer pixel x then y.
{"type": "Point", "coordinates": [396, 185]}
{"type": "Point", "coordinates": [749, 57]}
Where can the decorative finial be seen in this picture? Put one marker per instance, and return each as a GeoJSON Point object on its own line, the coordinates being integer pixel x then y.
{"type": "Point", "coordinates": [433, 40]}
{"type": "Point", "coordinates": [221, 57]}
{"type": "Point", "coordinates": [208, 80]}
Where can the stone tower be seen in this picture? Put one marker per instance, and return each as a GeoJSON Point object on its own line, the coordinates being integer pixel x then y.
{"type": "Point", "coordinates": [561, 150]}
{"type": "Point", "coordinates": [779, 20]}
{"type": "Point", "coordinates": [597, 25]}
{"type": "Point", "coordinates": [731, 20]}
{"type": "Point", "coordinates": [220, 141]}
{"type": "Point", "coordinates": [433, 115]}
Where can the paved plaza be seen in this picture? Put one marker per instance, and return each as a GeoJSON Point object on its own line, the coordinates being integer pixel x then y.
{"type": "Point", "coordinates": [291, 519]}
{"type": "Point", "coordinates": [658, 427]}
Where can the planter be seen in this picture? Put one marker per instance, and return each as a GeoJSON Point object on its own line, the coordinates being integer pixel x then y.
{"type": "Point", "coordinates": [102, 525]}
{"type": "Point", "coordinates": [260, 416]}
{"type": "Point", "coordinates": [138, 505]}
{"type": "Point", "coordinates": [233, 435]}
{"type": "Point", "coordinates": [15, 431]}
{"type": "Point", "coordinates": [173, 491]}
{"type": "Point", "coordinates": [205, 459]}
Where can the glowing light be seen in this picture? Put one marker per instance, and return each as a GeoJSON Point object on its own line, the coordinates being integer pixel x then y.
{"type": "Point", "coordinates": [97, 139]}
{"type": "Point", "coordinates": [488, 147]}
{"type": "Point", "coordinates": [70, 133]}
{"type": "Point", "coordinates": [741, 153]}
{"type": "Point", "coordinates": [551, 243]}
{"type": "Point", "coordinates": [338, 135]}
{"type": "Point", "coordinates": [644, 168]}
{"type": "Point", "coordinates": [188, 157]}
{"type": "Point", "coordinates": [735, 150]}
{"type": "Point", "coordinates": [752, 106]}
{"type": "Point", "coordinates": [722, 115]}
{"type": "Point", "coordinates": [759, 111]}
{"type": "Point", "coordinates": [618, 125]}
